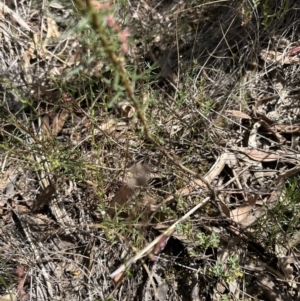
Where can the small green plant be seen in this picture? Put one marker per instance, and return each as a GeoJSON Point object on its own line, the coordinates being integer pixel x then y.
{"type": "Point", "coordinates": [233, 269]}
{"type": "Point", "coordinates": [181, 204]}
{"type": "Point", "coordinates": [281, 223]}
{"type": "Point", "coordinates": [185, 228]}
{"type": "Point", "coordinates": [272, 12]}
{"type": "Point", "coordinates": [225, 297]}
{"type": "Point", "coordinates": [168, 212]}
{"type": "Point", "coordinates": [229, 271]}
{"type": "Point", "coordinates": [216, 270]}
{"type": "Point", "coordinates": [208, 241]}
{"type": "Point", "coordinates": [206, 106]}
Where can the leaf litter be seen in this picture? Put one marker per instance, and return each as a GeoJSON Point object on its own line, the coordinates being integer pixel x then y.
{"type": "Point", "coordinates": [244, 180]}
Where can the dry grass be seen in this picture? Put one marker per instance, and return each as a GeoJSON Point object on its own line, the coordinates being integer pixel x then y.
{"type": "Point", "coordinates": [117, 119]}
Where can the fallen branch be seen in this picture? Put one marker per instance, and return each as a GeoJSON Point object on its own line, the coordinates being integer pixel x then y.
{"type": "Point", "coordinates": [156, 245]}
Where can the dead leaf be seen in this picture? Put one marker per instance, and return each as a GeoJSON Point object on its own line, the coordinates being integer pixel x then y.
{"type": "Point", "coordinates": [195, 295]}
{"type": "Point", "coordinates": [4, 9]}
{"type": "Point", "coordinates": [278, 136]}
{"type": "Point", "coordinates": [276, 196]}
{"type": "Point", "coordinates": [46, 127]}
{"type": "Point", "coordinates": [138, 178]}
{"type": "Point", "coordinates": [44, 197]}
{"type": "Point", "coordinates": [52, 32]}
{"type": "Point", "coordinates": [108, 127]}
{"type": "Point", "coordinates": [117, 279]}
{"type": "Point", "coordinates": [259, 155]}
{"type": "Point", "coordinates": [126, 110]}
{"type": "Point", "coordinates": [52, 29]}
{"type": "Point", "coordinates": [35, 221]}
{"type": "Point", "coordinates": [225, 159]}
{"type": "Point", "coordinates": [241, 213]}
{"type": "Point", "coordinates": [276, 57]}
{"type": "Point", "coordinates": [34, 48]}
{"type": "Point", "coordinates": [238, 114]}
{"type": "Point", "coordinates": [8, 297]}
{"type": "Point", "coordinates": [140, 175]}
{"type": "Point", "coordinates": [290, 172]}
{"type": "Point", "coordinates": [295, 50]}
{"type": "Point", "coordinates": [38, 45]}
{"type": "Point", "coordinates": [119, 200]}
{"type": "Point", "coordinates": [286, 128]}
{"type": "Point", "coordinates": [223, 208]}
{"type": "Point", "coordinates": [280, 84]}
{"type": "Point", "coordinates": [284, 264]}
{"type": "Point", "coordinates": [59, 121]}
{"type": "Point", "coordinates": [262, 101]}
{"type": "Point", "coordinates": [10, 186]}
{"type": "Point", "coordinates": [22, 209]}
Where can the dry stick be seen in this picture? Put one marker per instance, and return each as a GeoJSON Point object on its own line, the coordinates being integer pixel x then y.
{"type": "Point", "coordinates": [118, 62]}
{"type": "Point", "coordinates": [149, 247]}
{"type": "Point", "coordinates": [118, 282]}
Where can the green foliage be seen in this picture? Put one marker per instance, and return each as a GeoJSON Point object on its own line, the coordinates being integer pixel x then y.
{"type": "Point", "coordinates": [228, 271]}
{"type": "Point", "coordinates": [233, 269]}
{"type": "Point", "coordinates": [181, 204]}
{"type": "Point", "coordinates": [204, 242]}
{"type": "Point", "coordinates": [168, 212]}
{"type": "Point", "coordinates": [281, 223]}
{"type": "Point", "coordinates": [272, 11]}
{"type": "Point", "coordinates": [216, 270]}
{"type": "Point", "coordinates": [9, 279]}
{"type": "Point", "coordinates": [225, 297]}
{"type": "Point", "coordinates": [101, 79]}
{"type": "Point", "coordinates": [185, 228]}
{"type": "Point", "coordinates": [208, 241]}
